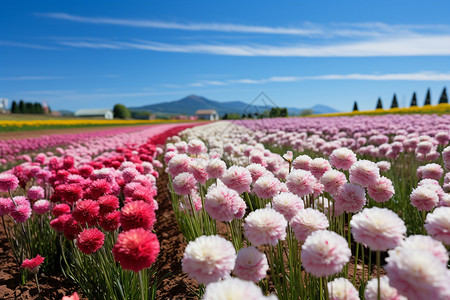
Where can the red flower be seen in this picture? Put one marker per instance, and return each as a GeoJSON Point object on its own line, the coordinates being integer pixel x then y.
{"type": "Point", "coordinates": [90, 240]}
{"type": "Point", "coordinates": [108, 203]}
{"type": "Point", "coordinates": [69, 193]}
{"type": "Point", "coordinates": [136, 249]}
{"type": "Point", "coordinates": [58, 223]}
{"type": "Point", "coordinates": [99, 188]}
{"type": "Point", "coordinates": [60, 209]}
{"type": "Point", "coordinates": [110, 221]}
{"type": "Point", "coordinates": [137, 214]}
{"type": "Point", "coordinates": [86, 211]}
{"type": "Point", "coordinates": [33, 264]}
{"type": "Point", "coordinates": [71, 228]}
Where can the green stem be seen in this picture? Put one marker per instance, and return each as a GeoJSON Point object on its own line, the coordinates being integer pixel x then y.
{"type": "Point", "coordinates": [378, 274]}
{"type": "Point", "coordinates": [37, 284]}
{"type": "Point", "coordinates": [141, 282]}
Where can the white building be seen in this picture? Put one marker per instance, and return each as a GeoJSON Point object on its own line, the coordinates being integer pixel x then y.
{"type": "Point", "coordinates": [207, 114]}
{"type": "Point", "coordinates": [98, 112]}
{"type": "Point", "coordinates": [3, 105]}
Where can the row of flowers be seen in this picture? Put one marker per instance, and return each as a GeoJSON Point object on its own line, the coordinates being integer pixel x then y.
{"type": "Point", "coordinates": [89, 213]}
{"type": "Point", "coordinates": [301, 220]}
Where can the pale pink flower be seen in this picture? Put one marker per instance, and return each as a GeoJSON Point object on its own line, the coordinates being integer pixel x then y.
{"type": "Point", "coordinates": [332, 181]}
{"type": "Point", "coordinates": [301, 182]}
{"type": "Point", "coordinates": [287, 204]}
{"type": "Point", "coordinates": [342, 158]}
{"type": "Point", "coordinates": [379, 229]}
{"type": "Point", "coordinates": [318, 166]}
{"type": "Point", "coordinates": [41, 206]}
{"type": "Point", "coordinates": [256, 171]}
{"type": "Point", "coordinates": [184, 183]}
{"type": "Point", "coordinates": [8, 182]}
{"type": "Point", "coordinates": [437, 224]}
{"type": "Point", "coordinates": [181, 147]}
{"type": "Point", "coordinates": [325, 253]}
{"type": "Point", "coordinates": [432, 171]}
{"type": "Point", "coordinates": [442, 137]}
{"type": "Point", "coordinates": [424, 198]}
{"type": "Point", "coordinates": [196, 200]}
{"type": "Point", "coordinates": [384, 166]}
{"type": "Point", "coordinates": [234, 288]}
{"type": "Point", "coordinates": [178, 164]}
{"type": "Point", "coordinates": [215, 168]}
{"type": "Point", "coordinates": [267, 186]}
{"type": "Point", "coordinates": [364, 173]}
{"type": "Point", "coordinates": [265, 226]}
{"type": "Point", "coordinates": [288, 156]}
{"type": "Point", "coordinates": [386, 291]}
{"type": "Point", "coordinates": [168, 156]}
{"type": "Point", "coordinates": [350, 198]}
{"type": "Point", "coordinates": [382, 191]}
{"type": "Point", "coordinates": [209, 258]}
{"type": "Point", "coordinates": [198, 168]}
{"type": "Point", "coordinates": [417, 274]}
{"type": "Point", "coordinates": [5, 206]}
{"type": "Point", "coordinates": [424, 147]}
{"type": "Point", "coordinates": [238, 179]}
{"type": "Point", "coordinates": [223, 203]}
{"type": "Point", "coordinates": [427, 243]}
{"type": "Point", "coordinates": [307, 221]}
{"type": "Point", "coordinates": [342, 289]}
{"type": "Point", "coordinates": [35, 192]}
{"type": "Point", "coordinates": [21, 210]}
{"type": "Point", "coordinates": [302, 162]}
{"type": "Point", "coordinates": [251, 264]}
{"type": "Point", "coordinates": [196, 147]}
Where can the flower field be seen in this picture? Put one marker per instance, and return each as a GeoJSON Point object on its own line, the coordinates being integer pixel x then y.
{"type": "Point", "coordinates": [288, 208]}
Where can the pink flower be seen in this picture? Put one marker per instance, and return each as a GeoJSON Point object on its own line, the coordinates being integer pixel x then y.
{"type": "Point", "coordinates": [437, 224]}
{"type": "Point", "coordinates": [86, 211]}
{"type": "Point", "coordinates": [417, 274]}
{"type": "Point", "coordinates": [342, 158]}
{"type": "Point", "coordinates": [41, 206]}
{"type": "Point", "coordinates": [265, 226]}
{"type": "Point", "coordinates": [184, 183]}
{"type": "Point", "coordinates": [73, 297]}
{"type": "Point", "coordinates": [256, 171]}
{"type": "Point", "coordinates": [379, 229]}
{"type": "Point", "coordinates": [5, 206]}
{"type": "Point", "coordinates": [251, 264]}
{"type": "Point", "coordinates": [181, 146]}
{"type": "Point", "coordinates": [60, 209]}
{"type": "Point", "coordinates": [234, 288]}
{"type": "Point", "coordinates": [424, 147]}
{"type": "Point", "coordinates": [302, 162]}
{"type": "Point", "coordinates": [238, 179]}
{"type": "Point", "coordinates": [33, 264]}
{"type": "Point", "coordinates": [136, 249]}
{"type": "Point", "coordinates": [107, 204]}
{"type": "Point", "coordinates": [198, 168]}
{"type": "Point", "coordinates": [325, 253]}
{"type": "Point", "coordinates": [223, 203]}
{"type": "Point", "coordinates": [21, 210]}
{"type": "Point", "coordinates": [301, 182]}
{"type": "Point", "coordinates": [432, 171]}
{"type": "Point", "coordinates": [382, 191]}
{"type": "Point", "coordinates": [288, 156]}
{"type": "Point", "coordinates": [215, 168]}
{"type": "Point", "coordinates": [35, 192]}
{"type": "Point", "coordinates": [364, 173]}
{"type": "Point", "coordinates": [342, 289]}
{"type": "Point", "coordinates": [307, 221]}
{"type": "Point", "coordinates": [196, 201]}
{"type": "Point", "coordinates": [267, 186]}
{"type": "Point", "coordinates": [287, 204]}
{"type": "Point", "coordinates": [110, 221]}
{"type": "Point", "coordinates": [196, 147]}
{"type": "Point", "coordinates": [386, 291]}
{"type": "Point", "coordinates": [137, 214]}
{"type": "Point", "coordinates": [384, 166]}
{"type": "Point", "coordinates": [8, 182]}
{"type": "Point", "coordinates": [209, 258]}
{"type": "Point", "coordinates": [90, 240]}
{"type": "Point", "coordinates": [427, 243]}
{"type": "Point", "coordinates": [332, 181]}
{"type": "Point", "coordinates": [424, 198]}
{"type": "Point", "coordinates": [350, 198]}
{"type": "Point", "coordinates": [318, 166]}
{"type": "Point", "coordinates": [178, 164]}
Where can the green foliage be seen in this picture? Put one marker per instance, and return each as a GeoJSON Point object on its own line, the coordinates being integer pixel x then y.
{"type": "Point", "coordinates": [306, 112]}
{"type": "Point", "coordinates": [379, 104]}
{"type": "Point", "coordinates": [27, 108]}
{"type": "Point", "coordinates": [428, 98]}
{"type": "Point", "coordinates": [444, 98]}
{"type": "Point", "coordinates": [355, 106]}
{"type": "Point", "coordinates": [21, 107]}
{"type": "Point", "coordinates": [15, 108]}
{"type": "Point", "coordinates": [121, 112]}
{"type": "Point", "coordinates": [140, 115]}
{"type": "Point", "coordinates": [414, 100]}
{"type": "Point", "coordinates": [232, 116]}
{"type": "Point", "coordinates": [276, 112]}
{"type": "Point", "coordinates": [394, 102]}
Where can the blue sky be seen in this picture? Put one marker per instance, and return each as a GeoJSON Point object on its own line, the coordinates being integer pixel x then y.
{"type": "Point", "coordinates": [93, 54]}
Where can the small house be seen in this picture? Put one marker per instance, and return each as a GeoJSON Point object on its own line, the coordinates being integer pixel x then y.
{"type": "Point", "coordinates": [207, 114]}
{"type": "Point", "coordinates": [99, 112]}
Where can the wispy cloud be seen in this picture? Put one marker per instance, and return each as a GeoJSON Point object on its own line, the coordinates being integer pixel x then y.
{"type": "Point", "coordinates": [418, 45]}
{"type": "Point", "coordinates": [25, 45]}
{"type": "Point", "coordinates": [32, 78]}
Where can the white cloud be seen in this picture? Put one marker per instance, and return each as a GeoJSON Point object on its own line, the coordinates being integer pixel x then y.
{"type": "Point", "coordinates": [25, 45]}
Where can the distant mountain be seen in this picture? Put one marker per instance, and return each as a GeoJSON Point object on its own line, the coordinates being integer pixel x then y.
{"type": "Point", "coordinates": [190, 104]}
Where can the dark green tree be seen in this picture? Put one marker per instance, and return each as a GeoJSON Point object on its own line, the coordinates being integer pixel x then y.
{"type": "Point", "coordinates": [14, 108]}
{"type": "Point", "coordinates": [225, 116]}
{"type": "Point", "coordinates": [284, 112]}
{"type": "Point", "coordinates": [444, 98]}
{"type": "Point", "coordinates": [275, 112]}
{"type": "Point", "coordinates": [120, 111]}
{"type": "Point", "coordinates": [394, 102]}
{"type": "Point", "coordinates": [29, 108]}
{"type": "Point", "coordinates": [414, 100]}
{"type": "Point", "coordinates": [306, 112]}
{"type": "Point", "coordinates": [428, 98]}
{"type": "Point", "coordinates": [379, 104]}
{"type": "Point", "coordinates": [21, 107]}
{"type": "Point", "coordinates": [355, 106]}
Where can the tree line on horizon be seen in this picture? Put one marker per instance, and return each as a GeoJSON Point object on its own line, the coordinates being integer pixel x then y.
{"type": "Point", "coordinates": [28, 108]}
{"type": "Point", "coordinates": [274, 112]}
{"type": "Point", "coordinates": [443, 99]}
